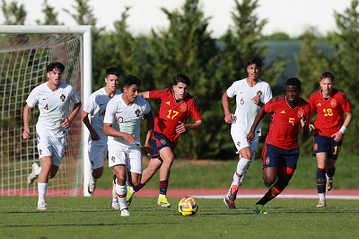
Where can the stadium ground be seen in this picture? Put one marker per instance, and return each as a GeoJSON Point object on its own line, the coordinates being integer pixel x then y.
{"type": "Point", "coordinates": [340, 194]}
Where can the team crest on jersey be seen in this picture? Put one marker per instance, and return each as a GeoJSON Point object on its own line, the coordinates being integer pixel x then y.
{"type": "Point", "coordinates": [62, 97]}
{"type": "Point", "coordinates": [333, 103]}
{"type": "Point", "coordinates": [315, 146]}
{"type": "Point", "coordinates": [163, 141]}
{"type": "Point", "coordinates": [267, 160]}
{"type": "Point", "coordinates": [300, 112]}
{"type": "Point", "coordinates": [259, 93]}
{"type": "Point", "coordinates": [137, 112]}
{"type": "Point", "coordinates": [183, 107]}
{"type": "Point", "coordinates": [113, 158]}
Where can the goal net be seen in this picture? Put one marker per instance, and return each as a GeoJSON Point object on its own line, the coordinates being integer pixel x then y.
{"type": "Point", "coordinates": [25, 53]}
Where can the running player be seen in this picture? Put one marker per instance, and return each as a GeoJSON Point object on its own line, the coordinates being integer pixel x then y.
{"type": "Point", "coordinates": [251, 94]}
{"type": "Point", "coordinates": [122, 124]}
{"type": "Point", "coordinates": [281, 152]}
{"type": "Point", "coordinates": [329, 128]}
{"type": "Point", "coordinates": [96, 108]}
{"type": "Point", "coordinates": [175, 108]}
{"type": "Point", "coordinates": [53, 99]}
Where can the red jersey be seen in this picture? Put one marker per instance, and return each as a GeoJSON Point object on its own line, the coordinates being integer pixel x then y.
{"type": "Point", "coordinates": [285, 121]}
{"type": "Point", "coordinates": [330, 111]}
{"type": "Point", "coordinates": [170, 112]}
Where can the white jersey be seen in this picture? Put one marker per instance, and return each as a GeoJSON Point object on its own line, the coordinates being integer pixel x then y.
{"type": "Point", "coordinates": [53, 106]}
{"type": "Point", "coordinates": [96, 108]}
{"type": "Point", "coordinates": [126, 119]}
{"type": "Point", "coordinates": [246, 110]}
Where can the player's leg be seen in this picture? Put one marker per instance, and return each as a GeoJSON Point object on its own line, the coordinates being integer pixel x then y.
{"type": "Point", "coordinates": [97, 156]}
{"type": "Point", "coordinates": [42, 182]}
{"type": "Point", "coordinates": [134, 168]}
{"type": "Point", "coordinates": [332, 158]}
{"type": "Point", "coordinates": [278, 163]}
{"type": "Point", "coordinates": [321, 178]}
{"type": "Point", "coordinates": [167, 156]}
{"type": "Point", "coordinates": [330, 171]}
{"type": "Point", "coordinates": [117, 161]}
{"type": "Point", "coordinates": [246, 151]}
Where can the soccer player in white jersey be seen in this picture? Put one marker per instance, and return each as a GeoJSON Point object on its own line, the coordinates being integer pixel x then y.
{"type": "Point", "coordinates": [53, 99]}
{"type": "Point", "coordinates": [95, 107]}
{"type": "Point", "coordinates": [251, 94]}
{"type": "Point", "coordinates": [122, 124]}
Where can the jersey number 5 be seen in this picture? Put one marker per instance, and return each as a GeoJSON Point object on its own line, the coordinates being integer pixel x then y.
{"type": "Point", "coordinates": [291, 120]}
{"type": "Point", "coordinates": [172, 114]}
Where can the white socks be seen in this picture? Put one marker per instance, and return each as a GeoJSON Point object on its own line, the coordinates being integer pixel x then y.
{"type": "Point", "coordinates": [122, 195]}
{"type": "Point", "coordinates": [42, 188]}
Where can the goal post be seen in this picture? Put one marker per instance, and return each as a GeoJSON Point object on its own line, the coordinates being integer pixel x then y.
{"type": "Point", "coordinates": [25, 51]}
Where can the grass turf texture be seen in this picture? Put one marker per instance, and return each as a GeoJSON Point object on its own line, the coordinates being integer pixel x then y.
{"type": "Point", "coordinates": [79, 217]}
{"type": "Point", "coordinates": [215, 174]}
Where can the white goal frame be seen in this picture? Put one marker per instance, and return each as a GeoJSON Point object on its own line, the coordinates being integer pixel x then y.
{"type": "Point", "coordinates": [86, 31]}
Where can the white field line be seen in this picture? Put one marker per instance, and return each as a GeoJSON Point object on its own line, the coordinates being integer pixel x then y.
{"type": "Point", "coordinates": [283, 196]}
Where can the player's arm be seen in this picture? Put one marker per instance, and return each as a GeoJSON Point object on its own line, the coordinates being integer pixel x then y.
{"type": "Point", "coordinates": [182, 127]}
{"type": "Point", "coordinates": [85, 119]}
{"type": "Point", "coordinates": [26, 118]}
{"type": "Point", "coordinates": [259, 117]}
{"type": "Point", "coordinates": [338, 136]}
{"type": "Point", "coordinates": [68, 121]}
{"type": "Point", "coordinates": [228, 117]}
{"type": "Point", "coordinates": [149, 129]}
{"type": "Point", "coordinates": [145, 94]}
{"type": "Point", "coordinates": [109, 131]}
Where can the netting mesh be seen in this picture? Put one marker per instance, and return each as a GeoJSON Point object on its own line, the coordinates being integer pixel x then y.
{"type": "Point", "coordinates": [23, 62]}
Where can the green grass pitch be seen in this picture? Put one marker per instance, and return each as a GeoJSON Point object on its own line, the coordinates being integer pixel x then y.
{"type": "Point", "coordinates": [79, 217]}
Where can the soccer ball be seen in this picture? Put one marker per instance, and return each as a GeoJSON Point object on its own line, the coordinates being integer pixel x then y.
{"type": "Point", "coordinates": [187, 207]}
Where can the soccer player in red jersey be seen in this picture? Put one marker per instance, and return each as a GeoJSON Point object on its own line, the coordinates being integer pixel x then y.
{"type": "Point", "coordinates": [329, 128]}
{"type": "Point", "coordinates": [175, 108]}
{"type": "Point", "coordinates": [281, 152]}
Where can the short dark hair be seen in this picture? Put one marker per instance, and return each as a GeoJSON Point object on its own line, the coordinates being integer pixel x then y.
{"type": "Point", "coordinates": [181, 78]}
{"type": "Point", "coordinates": [113, 71]}
{"type": "Point", "coordinates": [294, 81]}
{"type": "Point", "coordinates": [131, 80]}
{"type": "Point", "coordinates": [55, 65]}
{"type": "Point", "coordinates": [255, 60]}
{"type": "Point", "coordinates": [327, 74]}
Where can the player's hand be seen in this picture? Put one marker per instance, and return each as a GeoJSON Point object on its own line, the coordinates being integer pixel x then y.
{"type": "Point", "coordinates": [338, 136]}
{"type": "Point", "coordinates": [181, 128]}
{"type": "Point", "coordinates": [311, 127]}
{"type": "Point", "coordinates": [129, 138]}
{"type": "Point", "coordinates": [303, 121]}
{"type": "Point", "coordinates": [229, 118]}
{"type": "Point", "coordinates": [67, 123]}
{"type": "Point", "coordinates": [250, 136]}
{"type": "Point", "coordinates": [95, 136]}
{"type": "Point", "coordinates": [149, 149]}
{"type": "Point", "coordinates": [256, 100]}
{"type": "Point", "coordinates": [25, 134]}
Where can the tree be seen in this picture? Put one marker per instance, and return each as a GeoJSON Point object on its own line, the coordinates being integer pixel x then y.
{"type": "Point", "coordinates": [84, 16]}
{"type": "Point", "coordinates": [14, 14]}
{"type": "Point", "coordinates": [241, 42]}
{"type": "Point", "coordinates": [50, 15]}
{"type": "Point", "coordinates": [186, 47]}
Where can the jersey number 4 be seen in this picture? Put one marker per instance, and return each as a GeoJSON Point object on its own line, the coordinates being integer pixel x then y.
{"type": "Point", "coordinates": [46, 107]}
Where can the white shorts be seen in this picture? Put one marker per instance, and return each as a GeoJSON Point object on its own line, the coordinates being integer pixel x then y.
{"type": "Point", "coordinates": [129, 156]}
{"type": "Point", "coordinates": [97, 155]}
{"type": "Point", "coordinates": [51, 146]}
{"type": "Point", "coordinates": [240, 141]}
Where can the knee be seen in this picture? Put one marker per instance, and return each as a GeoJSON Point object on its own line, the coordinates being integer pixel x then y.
{"type": "Point", "coordinates": [269, 179]}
